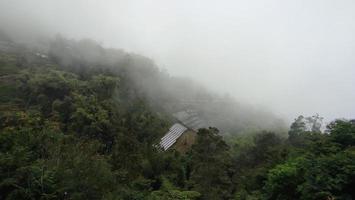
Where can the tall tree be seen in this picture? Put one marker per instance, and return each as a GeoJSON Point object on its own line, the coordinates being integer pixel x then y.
{"type": "Point", "coordinates": [211, 166]}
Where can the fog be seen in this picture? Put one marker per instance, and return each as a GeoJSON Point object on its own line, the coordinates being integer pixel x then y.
{"type": "Point", "coordinates": [290, 57]}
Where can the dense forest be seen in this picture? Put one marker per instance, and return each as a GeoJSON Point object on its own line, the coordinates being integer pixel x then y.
{"type": "Point", "coordinates": [78, 121]}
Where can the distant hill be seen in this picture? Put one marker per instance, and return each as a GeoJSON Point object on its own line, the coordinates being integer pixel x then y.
{"type": "Point", "coordinates": [79, 121]}
{"type": "Point", "coordinates": [163, 91]}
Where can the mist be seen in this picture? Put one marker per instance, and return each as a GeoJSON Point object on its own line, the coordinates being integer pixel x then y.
{"type": "Point", "coordinates": [289, 57]}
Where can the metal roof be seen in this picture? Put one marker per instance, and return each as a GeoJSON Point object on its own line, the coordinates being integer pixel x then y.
{"type": "Point", "coordinates": [172, 135]}
{"type": "Point", "coordinates": [190, 119]}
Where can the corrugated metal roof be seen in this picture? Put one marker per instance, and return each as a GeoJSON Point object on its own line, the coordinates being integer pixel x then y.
{"type": "Point", "coordinates": [172, 135]}
{"type": "Point", "coordinates": [190, 119]}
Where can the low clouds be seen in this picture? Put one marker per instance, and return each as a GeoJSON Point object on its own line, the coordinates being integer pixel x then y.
{"type": "Point", "coordinates": [293, 57]}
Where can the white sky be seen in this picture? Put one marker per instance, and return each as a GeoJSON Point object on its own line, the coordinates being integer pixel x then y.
{"type": "Point", "coordinates": [293, 57]}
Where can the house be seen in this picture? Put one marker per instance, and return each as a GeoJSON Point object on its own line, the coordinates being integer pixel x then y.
{"type": "Point", "coordinates": [190, 118]}
{"type": "Point", "coordinates": [182, 135]}
{"type": "Point", "coordinates": [178, 137]}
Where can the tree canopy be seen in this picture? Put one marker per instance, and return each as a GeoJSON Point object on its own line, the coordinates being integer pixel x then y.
{"type": "Point", "coordinates": [83, 122]}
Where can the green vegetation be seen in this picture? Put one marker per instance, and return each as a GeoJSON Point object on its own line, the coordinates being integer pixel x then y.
{"type": "Point", "coordinates": [82, 124]}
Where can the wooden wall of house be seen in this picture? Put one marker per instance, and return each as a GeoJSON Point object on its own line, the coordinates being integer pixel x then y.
{"type": "Point", "coordinates": [185, 141]}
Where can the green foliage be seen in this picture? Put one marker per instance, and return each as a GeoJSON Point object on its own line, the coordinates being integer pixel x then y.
{"type": "Point", "coordinates": [8, 64]}
{"type": "Point", "coordinates": [7, 92]}
{"type": "Point", "coordinates": [330, 176]}
{"type": "Point", "coordinates": [174, 195]}
{"type": "Point", "coordinates": [70, 138]}
{"type": "Point", "coordinates": [82, 124]}
{"type": "Point", "coordinates": [169, 192]}
{"type": "Point", "coordinates": [23, 157]}
{"type": "Point", "coordinates": [342, 132]}
{"type": "Point", "coordinates": [297, 128]}
{"type": "Point", "coordinates": [211, 166]}
{"type": "Point", "coordinates": [319, 170]}
{"type": "Point", "coordinates": [252, 163]}
{"type": "Point", "coordinates": [81, 172]}
{"type": "Point", "coordinates": [282, 181]}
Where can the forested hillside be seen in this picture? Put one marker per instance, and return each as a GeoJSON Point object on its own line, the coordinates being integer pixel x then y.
{"type": "Point", "coordinates": [78, 121]}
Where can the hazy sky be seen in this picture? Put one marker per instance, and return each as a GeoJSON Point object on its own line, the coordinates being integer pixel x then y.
{"type": "Point", "coordinates": [293, 56]}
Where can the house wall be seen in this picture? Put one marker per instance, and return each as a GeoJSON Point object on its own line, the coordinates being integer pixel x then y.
{"type": "Point", "coordinates": [185, 141]}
